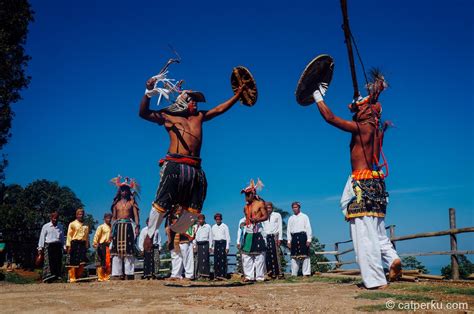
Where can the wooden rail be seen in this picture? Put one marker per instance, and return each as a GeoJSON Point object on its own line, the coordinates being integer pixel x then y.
{"type": "Point", "coordinates": [451, 232]}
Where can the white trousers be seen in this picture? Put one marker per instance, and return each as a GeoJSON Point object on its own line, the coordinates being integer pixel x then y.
{"type": "Point", "coordinates": [129, 262]}
{"type": "Point", "coordinates": [183, 259]}
{"type": "Point", "coordinates": [372, 248]}
{"type": "Point", "coordinates": [295, 266]}
{"type": "Point", "coordinates": [254, 266]}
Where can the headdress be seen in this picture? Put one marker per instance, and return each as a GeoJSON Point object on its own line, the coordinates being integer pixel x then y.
{"type": "Point", "coordinates": [131, 183]}
{"type": "Point", "coordinates": [253, 187]}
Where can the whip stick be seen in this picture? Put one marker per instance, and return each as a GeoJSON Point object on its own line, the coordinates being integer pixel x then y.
{"type": "Point", "coordinates": [347, 36]}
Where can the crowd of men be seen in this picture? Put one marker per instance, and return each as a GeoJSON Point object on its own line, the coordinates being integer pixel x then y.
{"type": "Point", "coordinates": [190, 251]}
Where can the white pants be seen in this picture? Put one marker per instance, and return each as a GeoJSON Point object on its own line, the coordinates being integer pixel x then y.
{"type": "Point", "coordinates": [372, 248]}
{"type": "Point", "coordinates": [295, 266]}
{"type": "Point", "coordinates": [129, 262]}
{"type": "Point", "coordinates": [251, 263]}
{"type": "Point", "coordinates": [183, 259]}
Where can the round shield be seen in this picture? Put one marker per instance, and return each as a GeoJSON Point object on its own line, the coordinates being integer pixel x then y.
{"type": "Point", "coordinates": [319, 70]}
{"type": "Point", "coordinates": [241, 75]}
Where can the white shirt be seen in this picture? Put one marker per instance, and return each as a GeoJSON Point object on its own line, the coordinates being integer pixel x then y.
{"type": "Point", "coordinates": [51, 234]}
{"type": "Point", "coordinates": [221, 233]}
{"type": "Point", "coordinates": [240, 230]}
{"type": "Point", "coordinates": [203, 233]}
{"type": "Point", "coordinates": [299, 223]}
{"type": "Point", "coordinates": [143, 234]}
{"type": "Point", "coordinates": [274, 225]}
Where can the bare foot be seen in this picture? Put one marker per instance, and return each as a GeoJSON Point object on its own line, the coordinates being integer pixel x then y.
{"type": "Point", "coordinates": [395, 270]}
{"type": "Point", "coordinates": [363, 287]}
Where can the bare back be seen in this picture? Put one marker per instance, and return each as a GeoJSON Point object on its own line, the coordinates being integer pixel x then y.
{"type": "Point", "coordinates": [185, 134]}
{"type": "Point", "coordinates": [364, 146]}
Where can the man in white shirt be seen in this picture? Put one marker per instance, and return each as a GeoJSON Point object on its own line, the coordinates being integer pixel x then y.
{"type": "Point", "coordinates": [220, 246]}
{"type": "Point", "coordinates": [151, 261]}
{"type": "Point", "coordinates": [240, 239]}
{"type": "Point", "coordinates": [273, 228]}
{"type": "Point", "coordinates": [202, 247]}
{"type": "Point", "coordinates": [299, 237]}
{"type": "Point", "coordinates": [50, 244]}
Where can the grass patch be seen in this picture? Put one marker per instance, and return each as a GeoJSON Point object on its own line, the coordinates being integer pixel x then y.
{"type": "Point", "coordinates": [340, 280]}
{"type": "Point", "coordinates": [17, 279]}
{"type": "Point", "coordinates": [442, 289]}
{"type": "Point", "coordinates": [400, 297]}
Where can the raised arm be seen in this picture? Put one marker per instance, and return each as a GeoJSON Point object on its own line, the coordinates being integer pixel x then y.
{"type": "Point", "coordinates": [220, 109]}
{"type": "Point", "coordinates": [332, 119]}
{"type": "Point", "coordinates": [326, 113]}
{"type": "Point", "coordinates": [145, 112]}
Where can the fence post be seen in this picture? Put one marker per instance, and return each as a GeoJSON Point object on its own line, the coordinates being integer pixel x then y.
{"type": "Point", "coordinates": [454, 245]}
{"type": "Point", "coordinates": [392, 235]}
{"type": "Point", "coordinates": [336, 248]}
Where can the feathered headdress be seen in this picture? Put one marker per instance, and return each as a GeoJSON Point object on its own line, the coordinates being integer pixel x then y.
{"type": "Point", "coordinates": [376, 85]}
{"type": "Point", "coordinates": [131, 183]}
{"type": "Point", "coordinates": [253, 187]}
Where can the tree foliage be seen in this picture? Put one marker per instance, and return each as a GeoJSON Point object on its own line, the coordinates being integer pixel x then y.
{"type": "Point", "coordinates": [410, 262]}
{"type": "Point", "coordinates": [25, 210]}
{"type": "Point", "coordinates": [316, 246]}
{"type": "Point", "coordinates": [15, 16]}
{"type": "Point", "coordinates": [465, 268]}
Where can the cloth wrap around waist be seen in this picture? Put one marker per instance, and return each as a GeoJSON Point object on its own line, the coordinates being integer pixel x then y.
{"type": "Point", "coordinates": [77, 254]}
{"type": "Point", "coordinates": [365, 195]}
{"type": "Point", "coordinates": [254, 243]}
{"type": "Point", "coordinates": [183, 182]}
{"type": "Point", "coordinates": [123, 238]}
{"type": "Point", "coordinates": [299, 249]}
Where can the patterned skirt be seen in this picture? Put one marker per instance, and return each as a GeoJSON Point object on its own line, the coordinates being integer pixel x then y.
{"type": "Point", "coordinates": [220, 258]}
{"type": "Point", "coordinates": [299, 249]}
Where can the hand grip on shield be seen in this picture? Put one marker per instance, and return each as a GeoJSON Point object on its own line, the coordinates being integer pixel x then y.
{"type": "Point", "coordinates": [242, 76]}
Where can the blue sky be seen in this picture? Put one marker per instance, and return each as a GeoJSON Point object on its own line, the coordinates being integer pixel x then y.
{"type": "Point", "coordinates": [78, 123]}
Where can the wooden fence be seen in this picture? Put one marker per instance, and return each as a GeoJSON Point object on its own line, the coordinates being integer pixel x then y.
{"type": "Point", "coordinates": [451, 232]}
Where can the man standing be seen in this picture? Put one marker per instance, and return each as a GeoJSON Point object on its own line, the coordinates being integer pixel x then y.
{"type": "Point", "coordinates": [273, 228]}
{"type": "Point", "coordinates": [202, 247]}
{"type": "Point", "coordinates": [151, 259]}
{"type": "Point", "coordinates": [125, 227]}
{"type": "Point", "coordinates": [50, 244]}
{"type": "Point", "coordinates": [101, 243]}
{"type": "Point", "coordinates": [364, 200]}
{"type": "Point", "coordinates": [182, 180]}
{"type": "Point", "coordinates": [220, 246]}
{"type": "Point", "coordinates": [253, 246]}
{"type": "Point", "coordinates": [77, 243]}
{"type": "Point", "coordinates": [240, 240]}
{"type": "Point", "coordinates": [299, 237]}
{"type": "Point", "coordinates": [182, 257]}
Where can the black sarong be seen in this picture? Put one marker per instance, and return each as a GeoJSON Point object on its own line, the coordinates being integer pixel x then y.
{"type": "Point", "coordinates": [77, 253]}
{"type": "Point", "coordinates": [272, 257]}
{"type": "Point", "coordinates": [203, 264]}
{"type": "Point", "coordinates": [180, 184]}
{"type": "Point", "coordinates": [151, 262]}
{"type": "Point", "coordinates": [101, 255]}
{"type": "Point", "coordinates": [220, 259]}
{"type": "Point", "coordinates": [299, 248]}
{"type": "Point", "coordinates": [53, 260]}
{"type": "Point", "coordinates": [123, 238]}
{"type": "Point", "coordinates": [253, 244]}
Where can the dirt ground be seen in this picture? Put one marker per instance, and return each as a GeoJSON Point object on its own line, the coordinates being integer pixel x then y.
{"type": "Point", "coordinates": [302, 295]}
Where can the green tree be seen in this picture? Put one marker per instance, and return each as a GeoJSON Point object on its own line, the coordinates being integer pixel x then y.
{"type": "Point", "coordinates": [465, 268]}
{"type": "Point", "coordinates": [410, 262]}
{"type": "Point", "coordinates": [316, 246]}
{"type": "Point", "coordinates": [284, 246]}
{"type": "Point", "coordinates": [15, 16]}
{"type": "Point", "coordinates": [25, 210]}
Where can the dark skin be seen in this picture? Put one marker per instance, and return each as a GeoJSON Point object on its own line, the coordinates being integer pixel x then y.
{"type": "Point", "coordinates": [185, 132]}
{"type": "Point", "coordinates": [365, 144]}
{"type": "Point", "coordinates": [365, 141]}
{"type": "Point", "coordinates": [258, 211]}
{"type": "Point", "coordinates": [126, 208]}
{"type": "Point", "coordinates": [269, 208]}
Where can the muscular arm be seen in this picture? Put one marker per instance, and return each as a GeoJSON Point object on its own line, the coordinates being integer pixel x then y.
{"type": "Point", "coordinates": [263, 213]}
{"type": "Point", "coordinates": [151, 115]}
{"type": "Point", "coordinates": [220, 109]}
{"type": "Point", "coordinates": [136, 216]}
{"type": "Point", "coordinates": [329, 117]}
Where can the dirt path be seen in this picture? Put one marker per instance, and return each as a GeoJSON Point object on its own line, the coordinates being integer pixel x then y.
{"type": "Point", "coordinates": [153, 296]}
